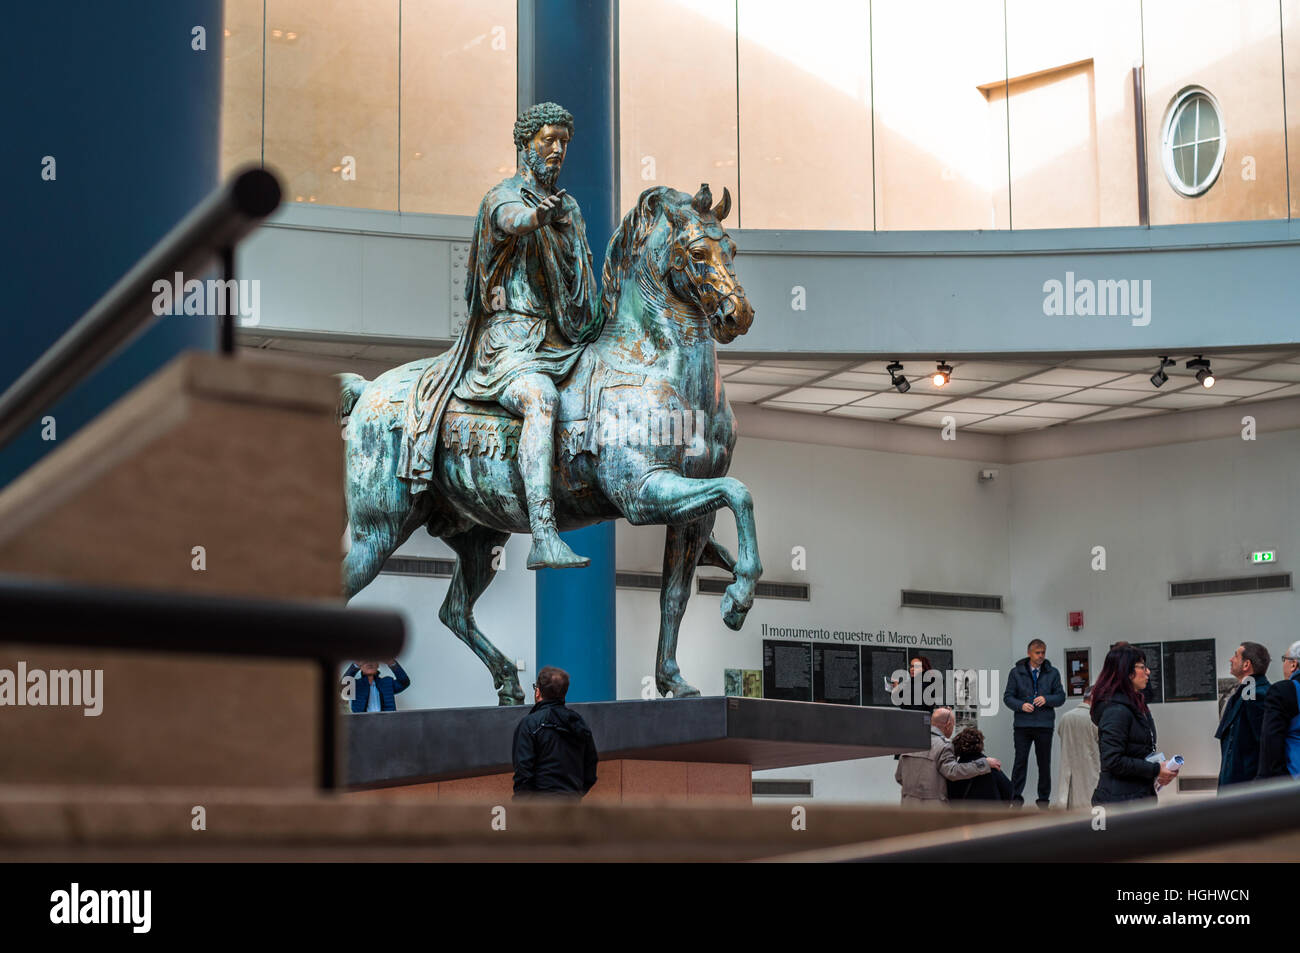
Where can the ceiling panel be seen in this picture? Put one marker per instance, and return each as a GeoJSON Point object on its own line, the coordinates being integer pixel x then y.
{"type": "Point", "coordinates": [1073, 376]}
{"type": "Point", "coordinates": [1289, 391]}
{"type": "Point", "coordinates": [931, 418]}
{"type": "Point", "coordinates": [958, 385]}
{"type": "Point", "coordinates": [824, 366]}
{"type": "Point", "coordinates": [910, 401]}
{"type": "Point", "coordinates": [823, 395]}
{"type": "Point", "coordinates": [1030, 391]}
{"type": "Point", "coordinates": [1120, 413]}
{"type": "Point", "coordinates": [1239, 387]}
{"type": "Point", "coordinates": [773, 375]}
{"type": "Point", "coordinates": [1103, 395]}
{"type": "Point", "coordinates": [1189, 399]}
{"type": "Point", "coordinates": [1143, 382]}
{"type": "Point", "coordinates": [802, 408]}
{"type": "Point", "coordinates": [749, 393]}
{"type": "Point", "coordinates": [867, 413]}
{"type": "Point", "coordinates": [857, 379]}
{"type": "Point", "coordinates": [1061, 411]}
{"type": "Point", "coordinates": [1274, 372]}
{"type": "Point", "coordinates": [983, 405]}
{"type": "Point", "coordinates": [1012, 424]}
{"type": "Point", "coordinates": [990, 370]}
{"type": "Point", "coordinates": [1129, 364]}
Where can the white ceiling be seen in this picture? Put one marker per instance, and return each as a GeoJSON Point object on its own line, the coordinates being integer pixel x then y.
{"type": "Point", "coordinates": [983, 395]}
{"type": "Point", "coordinates": [1010, 396]}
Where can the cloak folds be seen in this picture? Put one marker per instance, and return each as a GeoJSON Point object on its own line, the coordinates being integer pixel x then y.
{"type": "Point", "coordinates": [563, 286]}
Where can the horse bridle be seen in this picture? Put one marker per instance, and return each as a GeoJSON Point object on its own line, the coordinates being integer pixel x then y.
{"type": "Point", "coordinates": [719, 306]}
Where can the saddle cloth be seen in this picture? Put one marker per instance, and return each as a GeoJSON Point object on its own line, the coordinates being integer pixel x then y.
{"type": "Point", "coordinates": [471, 427]}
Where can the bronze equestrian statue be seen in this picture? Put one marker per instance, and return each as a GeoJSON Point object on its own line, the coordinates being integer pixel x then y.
{"type": "Point", "coordinates": [523, 425]}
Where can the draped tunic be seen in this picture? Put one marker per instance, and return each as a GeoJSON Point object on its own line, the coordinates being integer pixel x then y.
{"type": "Point", "coordinates": [532, 304]}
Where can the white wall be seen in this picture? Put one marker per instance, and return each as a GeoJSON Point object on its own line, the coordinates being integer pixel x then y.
{"type": "Point", "coordinates": [873, 523]}
{"type": "Point", "coordinates": [1177, 512]}
{"type": "Point", "coordinates": [444, 672]}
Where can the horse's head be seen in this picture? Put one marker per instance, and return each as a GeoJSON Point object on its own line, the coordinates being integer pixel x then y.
{"type": "Point", "coordinates": [699, 260]}
{"type": "Point", "coordinates": [689, 252]}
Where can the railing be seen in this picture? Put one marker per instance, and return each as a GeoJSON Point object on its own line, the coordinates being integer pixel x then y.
{"type": "Point", "coordinates": [41, 612]}
{"type": "Point", "coordinates": [210, 231]}
{"type": "Point", "coordinates": [1247, 812]}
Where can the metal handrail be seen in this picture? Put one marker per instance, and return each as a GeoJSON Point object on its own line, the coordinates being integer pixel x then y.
{"type": "Point", "coordinates": [1239, 813]}
{"type": "Point", "coordinates": [211, 230]}
{"type": "Point", "coordinates": [36, 611]}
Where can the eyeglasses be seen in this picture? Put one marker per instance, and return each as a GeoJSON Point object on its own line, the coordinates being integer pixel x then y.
{"type": "Point", "coordinates": [1287, 658]}
{"type": "Point", "coordinates": [1140, 667]}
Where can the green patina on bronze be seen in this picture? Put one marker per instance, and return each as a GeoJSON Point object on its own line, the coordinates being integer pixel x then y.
{"type": "Point", "coordinates": [523, 426]}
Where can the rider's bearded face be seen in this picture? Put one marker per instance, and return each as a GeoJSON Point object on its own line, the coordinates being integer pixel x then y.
{"type": "Point", "coordinates": [545, 153]}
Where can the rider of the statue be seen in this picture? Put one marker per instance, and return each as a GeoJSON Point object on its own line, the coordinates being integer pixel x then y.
{"type": "Point", "coordinates": [533, 304]}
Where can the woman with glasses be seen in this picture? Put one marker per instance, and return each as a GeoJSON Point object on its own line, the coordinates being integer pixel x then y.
{"type": "Point", "coordinates": [1126, 731]}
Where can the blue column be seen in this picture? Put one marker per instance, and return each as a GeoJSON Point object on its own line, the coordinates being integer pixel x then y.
{"type": "Point", "coordinates": [569, 55]}
{"type": "Point", "coordinates": [130, 114]}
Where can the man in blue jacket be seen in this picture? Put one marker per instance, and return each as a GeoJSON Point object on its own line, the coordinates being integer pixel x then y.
{"type": "Point", "coordinates": [375, 692]}
{"type": "Point", "coordinates": [1034, 691]}
{"type": "Point", "coordinates": [1243, 715]}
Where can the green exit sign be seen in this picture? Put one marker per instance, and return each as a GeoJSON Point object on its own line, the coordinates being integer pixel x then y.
{"type": "Point", "coordinates": [1267, 556]}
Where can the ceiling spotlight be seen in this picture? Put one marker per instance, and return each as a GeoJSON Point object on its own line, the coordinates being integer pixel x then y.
{"type": "Point", "coordinates": [1204, 376]}
{"type": "Point", "coordinates": [897, 379]}
{"type": "Point", "coordinates": [1159, 377]}
{"type": "Point", "coordinates": [942, 374]}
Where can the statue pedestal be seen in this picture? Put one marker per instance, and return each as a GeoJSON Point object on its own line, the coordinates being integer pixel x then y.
{"type": "Point", "coordinates": [685, 749]}
{"type": "Point", "coordinates": [621, 781]}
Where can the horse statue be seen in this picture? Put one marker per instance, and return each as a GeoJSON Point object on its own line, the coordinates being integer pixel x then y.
{"type": "Point", "coordinates": [668, 292]}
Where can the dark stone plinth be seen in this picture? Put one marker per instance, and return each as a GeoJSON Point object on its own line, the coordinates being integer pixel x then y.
{"type": "Point", "coordinates": [413, 747]}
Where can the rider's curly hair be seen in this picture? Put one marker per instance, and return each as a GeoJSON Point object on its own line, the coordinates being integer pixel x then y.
{"type": "Point", "coordinates": [535, 117]}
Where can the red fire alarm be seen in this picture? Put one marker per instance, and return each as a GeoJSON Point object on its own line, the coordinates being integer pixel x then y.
{"type": "Point", "coordinates": [1075, 620]}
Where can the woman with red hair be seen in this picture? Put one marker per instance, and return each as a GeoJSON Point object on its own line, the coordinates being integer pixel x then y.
{"type": "Point", "coordinates": [1126, 731]}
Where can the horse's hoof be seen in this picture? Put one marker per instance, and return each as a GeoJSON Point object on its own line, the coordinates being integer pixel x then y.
{"type": "Point", "coordinates": [551, 552]}
{"type": "Point", "coordinates": [677, 688]}
{"type": "Point", "coordinates": [510, 694]}
{"type": "Point", "coordinates": [733, 612]}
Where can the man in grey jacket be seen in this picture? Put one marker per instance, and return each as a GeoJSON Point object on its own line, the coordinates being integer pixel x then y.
{"type": "Point", "coordinates": [924, 775]}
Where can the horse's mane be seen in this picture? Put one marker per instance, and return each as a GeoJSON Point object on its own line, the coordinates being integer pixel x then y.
{"type": "Point", "coordinates": [626, 245]}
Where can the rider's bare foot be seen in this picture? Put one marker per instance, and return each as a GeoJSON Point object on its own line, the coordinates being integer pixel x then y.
{"type": "Point", "coordinates": [551, 552]}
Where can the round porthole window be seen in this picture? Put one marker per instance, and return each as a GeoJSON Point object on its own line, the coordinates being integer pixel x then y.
{"type": "Point", "coordinates": [1194, 141]}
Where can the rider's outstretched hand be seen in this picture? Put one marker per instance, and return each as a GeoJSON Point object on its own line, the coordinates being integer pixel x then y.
{"type": "Point", "coordinates": [550, 207]}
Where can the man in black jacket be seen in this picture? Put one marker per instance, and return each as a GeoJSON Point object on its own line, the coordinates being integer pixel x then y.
{"type": "Point", "coordinates": [1034, 692]}
{"type": "Point", "coordinates": [1281, 709]}
{"type": "Point", "coordinates": [554, 752]}
{"type": "Point", "coordinates": [1243, 714]}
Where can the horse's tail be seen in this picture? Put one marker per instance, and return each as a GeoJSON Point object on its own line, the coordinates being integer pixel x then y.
{"type": "Point", "coordinates": [350, 388]}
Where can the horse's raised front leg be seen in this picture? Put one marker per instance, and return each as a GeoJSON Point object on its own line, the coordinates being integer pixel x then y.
{"type": "Point", "coordinates": [683, 547]}
{"type": "Point", "coordinates": [474, 571]}
{"type": "Point", "coordinates": [666, 496]}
